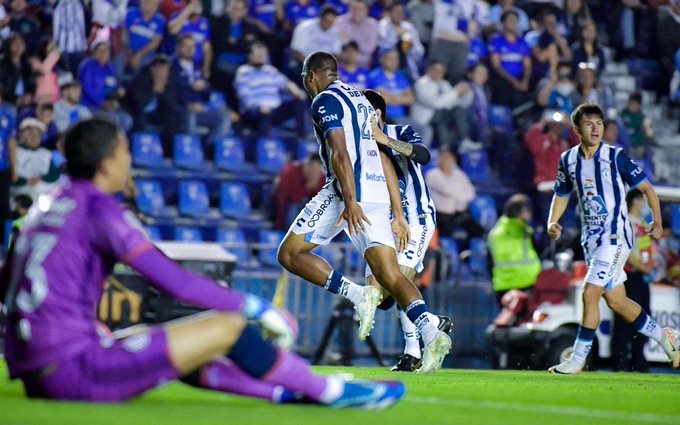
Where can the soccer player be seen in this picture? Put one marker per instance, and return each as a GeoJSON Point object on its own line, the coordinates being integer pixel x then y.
{"type": "Point", "coordinates": [355, 199]}
{"type": "Point", "coordinates": [601, 174]}
{"type": "Point", "coordinates": [68, 246]}
{"type": "Point", "coordinates": [407, 153]}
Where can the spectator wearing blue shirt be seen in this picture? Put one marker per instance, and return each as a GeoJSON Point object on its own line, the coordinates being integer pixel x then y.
{"type": "Point", "coordinates": [349, 70]}
{"type": "Point", "coordinates": [511, 62]}
{"type": "Point", "coordinates": [22, 22]}
{"type": "Point", "coordinates": [298, 10]}
{"type": "Point", "coordinates": [101, 89]}
{"type": "Point", "coordinates": [193, 91]}
{"type": "Point", "coordinates": [260, 88]}
{"type": "Point", "coordinates": [190, 21]}
{"type": "Point", "coordinates": [561, 94]}
{"type": "Point", "coordinates": [232, 35]}
{"type": "Point", "coordinates": [495, 12]}
{"type": "Point", "coordinates": [477, 53]}
{"type": "Point", "coordinates": [392, 85]}
{"type": "Point", "coordinates": [7, 161]}
{"type": "Point", "coordinates": [144, 27]}
{"type": "Point", "coordinates": [341, 6]}
{"type": "Point", "coordinates": [266, 13]}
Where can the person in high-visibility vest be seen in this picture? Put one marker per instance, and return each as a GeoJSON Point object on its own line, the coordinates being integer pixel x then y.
{"type": "Point", "coordinates": [515, 262]}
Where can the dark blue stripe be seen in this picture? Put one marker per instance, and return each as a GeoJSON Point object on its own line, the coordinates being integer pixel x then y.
{"type": "Point", "coordinates": [357, 140]}
{"type": "Point", "coordinates": [416, 188]}
{"type": "Point", "coordinates": [401, 178]}
{"type": "Point", "coordinates": [617, 193]}
{"type": "Point", "coordinates": [600, 188]}
{"type": "Point", "coordinates": [579, 189]}
{"type": "Point", "coordinates": [427, 192]}
{"type": "Point", "coordinates": [323, 151]}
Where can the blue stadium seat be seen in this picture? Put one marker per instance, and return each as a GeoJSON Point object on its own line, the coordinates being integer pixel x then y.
{"type": "Point", "coordinates": [188, 234]}
{"type": "Point", "coordinates": [271, 155]}
{"type": "Point", "coordinates": [500, 118]}
{"type": "Point", "coordinates": [189, 152]}
{"type": "Point", "coordinates": [230, 157]}
{"type": "Point", "coordinates": [147, 150]}
{"type": "Point", "coordinates": [450, 249]}
{"type": "Point", "coordinates": [154, 233]}
{"type": "Point", "coordinates": [235, 200]}
{"type": "Point", "coordinates": [217, 101]}
{"type": "Point", "coordinates": [150, 199]}
{"type": "Point", "coordinates": [483, 209]}
{"type": "Point", "coordinates": [270, 240]}
{"type": "Point", "coordinates": [476, 166]}
{"type": "Point", "coordinates": [675, 219]}
{"type": "Point", "coordinates": [478, 257]}
{"type": "Point", "coordinates": [306, 148]}
{"type": "Point", "coordinates": [235, 242]}
{"type": "Point", "coordinates": [193, 199]}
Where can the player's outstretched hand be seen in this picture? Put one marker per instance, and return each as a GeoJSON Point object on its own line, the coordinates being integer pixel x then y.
{"type": "Point", "coordinates": [378, 135]}
{"type": "Point", "coordinates": [554, 230]}
{"type": "Point", "coordinates": [401, 232]}
{"type": "Point", "coordinates": [355, 218]}
{"type": "Point", "coordinates": [274, 321]}
{"type": "Point", "coordinates": [655, 230]}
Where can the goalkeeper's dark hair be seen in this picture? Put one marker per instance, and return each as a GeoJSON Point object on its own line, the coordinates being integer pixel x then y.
{"type": "Point", "coordinates": [586, 110]}
{"type": "Point", "coordinates": [321, 61]}
{"type": "Point", "coordinates": [86, 144]}
{"type": "Point", "coordinates": [377, 101]}
{"type": "Point", "coordinates": [517, 203]}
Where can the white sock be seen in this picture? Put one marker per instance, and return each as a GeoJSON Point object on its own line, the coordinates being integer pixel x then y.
{"type": "Point", "coordinates": [352, 291]}
{"type": "Point", "coordinates": [427, 326]}
{"type": "Point", "coordinates": [581, 350]}
{"type": "Point", "coordinates": [411, 336]}
{"type": "Point", "coordinates": [335, 385]}
{"type": "Point", "coordinates": [651, 329]}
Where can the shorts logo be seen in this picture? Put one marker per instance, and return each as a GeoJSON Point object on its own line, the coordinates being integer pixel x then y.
{"type": "Point", "coordinates": [319, 211]}
{"type": "Point", "coordinates": [300, 221]}
{"type": "Point", "coordinates": [137, 343]}
{"type": "Point", "coordinates": [601, 274]}
{"type": "Point", "coordinates": [612, 269]}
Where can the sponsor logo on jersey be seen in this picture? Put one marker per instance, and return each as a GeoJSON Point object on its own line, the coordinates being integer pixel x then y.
{"type": "Point", "coordinates": [373, 177]}
{"type": "Point", "coordinates": [372, 152]}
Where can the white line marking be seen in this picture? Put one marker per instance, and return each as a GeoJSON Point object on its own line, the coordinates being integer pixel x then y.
{"type": "Point", "coordinates": [549, 408]}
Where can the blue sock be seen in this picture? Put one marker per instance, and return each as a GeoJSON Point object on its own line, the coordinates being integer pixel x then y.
{"type": "Point", "coordinates": [334, 282]}
{"type": "Point", "coordinates": [387, 303]}
{"type": "Point", "coordinates": [583, 343]}
{"type": "Point", "coordinates": [415, 310]}
{"type": "Point", "coordinates": [646, 325]}
{"type": "Point", "coordinates": [253, 354]}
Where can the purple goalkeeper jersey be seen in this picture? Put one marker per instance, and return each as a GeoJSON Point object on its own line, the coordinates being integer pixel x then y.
{"type": "Point", "coordinates": [69, 244]}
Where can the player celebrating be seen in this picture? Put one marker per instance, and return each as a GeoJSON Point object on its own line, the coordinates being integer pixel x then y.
{"type": "Point", "coordinates": [601, 175]}
{"type": "Point", "coordinates": [407, 153]}
{"type": "Point", "coordinates": [69, 245]}
{"type": "Point", "coordinates": [355, 199]}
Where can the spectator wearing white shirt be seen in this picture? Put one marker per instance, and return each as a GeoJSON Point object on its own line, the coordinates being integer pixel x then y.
{"type": "Point", "coordinates": [394, 31]}
{"type": "Point", "coordinates": [68, 110]}
{"type": "Point", "coordinates": [315, 34]}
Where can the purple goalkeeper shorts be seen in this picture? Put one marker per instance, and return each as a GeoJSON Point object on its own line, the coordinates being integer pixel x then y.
{"type": "Point", "coordinates": [108, 371]}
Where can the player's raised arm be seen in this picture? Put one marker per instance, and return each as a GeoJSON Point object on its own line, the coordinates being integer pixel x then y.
{"type": "Point", "coordinates": [342, 166]}
{"type": "Point", "coordinates": [416, 152]}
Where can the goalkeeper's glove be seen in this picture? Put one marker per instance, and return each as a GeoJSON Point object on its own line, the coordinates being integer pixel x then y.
{"type": "Point", "coordinates": [276, 321]}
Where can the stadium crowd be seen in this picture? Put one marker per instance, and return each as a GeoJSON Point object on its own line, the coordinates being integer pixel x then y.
{"type": "Point", "coordinates": [490, 83]}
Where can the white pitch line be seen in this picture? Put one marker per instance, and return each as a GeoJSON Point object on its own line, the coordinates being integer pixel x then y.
{"type": "Point", "coordinates": [549, 408]}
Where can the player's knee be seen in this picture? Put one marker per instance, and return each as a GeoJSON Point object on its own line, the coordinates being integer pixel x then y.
{"type": "Point", "coordinates": [285, 257]}
{"type": "Point", "coordinates": [615, 304]}
{"type": "Point", "coordinates": [388, 277]}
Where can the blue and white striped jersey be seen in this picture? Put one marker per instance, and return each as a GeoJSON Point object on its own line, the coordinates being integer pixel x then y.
{"type": "Point", "coordinates": [343, 107]}
{"type": "Point", "coordinates": [601, 184]}
{"type": "Point", "coordinates": [415, 196]}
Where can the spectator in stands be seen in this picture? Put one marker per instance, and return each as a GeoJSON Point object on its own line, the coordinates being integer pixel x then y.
{"type": "Point", "coordinates": [675, 82]}
{"type": "Point", "coordinates": [68, 110]}
{"type": "Point", "coordinates": [44, 64]}
{"type": "Point", "coordinates": [588, 89]}
{"type": "Point", "coordinates": [190, 21]}
{"type": "Point", "coordinates": [144, 27]}
{"type": "Point", "coordinates": [232, 35]}
{"type": "Point", "coordinates": [510, 59]}
{"type": "Point", "coordinates": [267, 14]}
{"type": "Point", "coordinates": [193, 92]}
{"type": "Point", "coordinates": [612, 134]}
{"type": "Point", "coordinates": [478, 112]}
{"type": "Point", "coordinates": [477, 51]}
{"type": "Point", "coordinates": [395, 31]}
{"type": "Point", "coordinates": [315, 34]}
{"type": "Point", "coordinates": [260, 88]}
{"type": "Point", "coordinates": [167, 8]}
{"type": "Point", "coordinates": [44, 112]}
{"type": "Point", "coordinates": [544, 53]}
{"type": "Point", "coordinates": [638, 126]}
{"type": "Point", "coordinates": [101, 88]}
{"type": "Point", "coordinates": [68, 22]}
{"type": "Point", "coordinates": [23, 23]}
{"type": "Point", "coordinates": [560, 95]}
{"type": "Point", "coordinates": [297, 11]}
{"type": "Point", "coordinates": [297, 184]}
{"type": "Point", "coordinates": [494, 16]}
{"type": "Point", "coordinates": [18, 81]}
{"type": "Point", "coordinates": [341, 6]}
{"type": "Point", "coordinates": [515, 264]}
{"type": "Point", "coordinates": [5, 17]}
{"type": "Point", "coordinates": [421, 14]}
{"type": "Point", "coordinates": [108, 18]}
{"type": "Point", "coordinates": [627, 347]}
{"type": "Point", "coordinates": [357, 26]}
{"type": "Point", "coordinates": [7, 160]}
{"type": "Point", "coordinates": [440, 108]}
{"type": "Point", "coordinates": [668, 36]}
{"type": "Point", "coordinates": [587, 49]}
{"type": "Point", "coordinates": [35, 169]}
{"type": "Point", "coordinates": [452, 193]}
{"type": "Point", "coordinates": [22, 203]}
{"type": "Point", "coordinates": [152, 101]}
{"type": "Point", "coordinates": [393, 85]}
{"type": "Point", "coordinates": [454, 23]}
{"type": "Point", "coordinates": [545, 140]}
{"type": "Point", "coordinates": [348, 67]}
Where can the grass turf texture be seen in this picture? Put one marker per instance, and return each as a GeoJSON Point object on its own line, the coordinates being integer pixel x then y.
{"type": "Point", "coordinates": [449, 397]}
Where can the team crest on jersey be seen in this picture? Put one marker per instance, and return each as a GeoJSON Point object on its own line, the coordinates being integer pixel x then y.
{"type": "Point", "coordinates": [594, 209]}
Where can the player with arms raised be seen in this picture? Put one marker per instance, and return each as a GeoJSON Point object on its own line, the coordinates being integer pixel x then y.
{"type": "Point", "coordinates": [356, 199]}
{"type": "Point", "coordinates": [601, 175]}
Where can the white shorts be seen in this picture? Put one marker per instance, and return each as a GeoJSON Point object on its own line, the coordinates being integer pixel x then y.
{"type": "Point", "coordinates": [317, 222]}
{"type": "Point", "coordinates": [605, 266]}
{"type": "Point", "coordinates": [421, 234]}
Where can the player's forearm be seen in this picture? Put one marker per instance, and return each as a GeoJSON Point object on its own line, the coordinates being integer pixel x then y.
{"type": "Point", "coordinates": [392, 185]}
{"type": "Point", "coordinates": [652, 200]}
{"type": "Point", "coordinates": [343, 170]}
{"type": "Point", "coordinates": [557, 208]}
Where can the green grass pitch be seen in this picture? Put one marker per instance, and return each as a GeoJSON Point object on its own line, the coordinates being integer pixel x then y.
{"type": "Point", "coordinates": [451, 396]}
